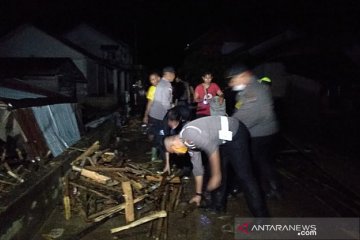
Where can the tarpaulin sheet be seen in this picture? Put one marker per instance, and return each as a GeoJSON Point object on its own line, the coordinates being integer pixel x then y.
{"type": "Point", "coordinates": [59, 126]}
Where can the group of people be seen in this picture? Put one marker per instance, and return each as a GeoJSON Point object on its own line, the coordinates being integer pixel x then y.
{"type": "Point", "coordinates": [242, 144]}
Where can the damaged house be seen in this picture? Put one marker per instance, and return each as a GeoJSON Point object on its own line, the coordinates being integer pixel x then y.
{"type": "Point", "coordinates": [58, 75]}
{"type": "Point", "coordinates": [104, 63]}
{"type": "Point", "coordinates": [42, 79]}
{"type": "Point", "coordinates": [37, 121]}
{"type": "Point", "coordinates": [36, 127]}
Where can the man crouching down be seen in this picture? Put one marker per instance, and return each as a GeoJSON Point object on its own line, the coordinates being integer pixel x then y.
{"type": "Point", "coordinates": [225, 138]}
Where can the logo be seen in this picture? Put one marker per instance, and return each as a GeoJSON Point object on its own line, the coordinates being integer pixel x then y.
{"type": "Point", "coordinates": [244, 228]}
{"type": "Point", "coordinates": [296, 228]}
{"type": "Point", "coordinates": [302, 230]}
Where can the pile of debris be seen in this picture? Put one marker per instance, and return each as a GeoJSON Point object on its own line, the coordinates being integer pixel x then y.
{"type": "Point", "coordinates": [16, 167]}
{"type": "Point", "coordinates": [101, 184]}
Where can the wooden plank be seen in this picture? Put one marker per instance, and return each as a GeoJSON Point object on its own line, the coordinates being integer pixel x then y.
{"type": "Point", "coordinates": [66, 198]}
{"type": "Point", "coordinates": [129, 201]}
{"type": "Point", "coordinates": [159, 179]}
{"type": "Point", "coordinates": [99, 216]}
{"type": "Point", "coordinates": [178, 196]}
{"type": "Point", "coordinates": [160, 224]}
{"type": "Point", "coordinates": [105, 169]}
{"type": "Point", "coordinates": [92, 175]}
{"type": "Point", "coordinates": [7, 182]}
{"type": "Point", "coordinates": [91, 190]}
{"type": "Point", "coordinates": [88, 152]}
{"type": "Point", "coordinates": [173, 197]}
{"type": "Point", "coordinates": [136, 185]}
{"type": "Point", "coordinates": [100, 186]}
{"type": "Point", "coordinates": [156, 215]}
{"type": "Point", "coordinates": [11, 173]}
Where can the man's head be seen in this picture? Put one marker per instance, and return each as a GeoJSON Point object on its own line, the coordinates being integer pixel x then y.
{"type": "Point", "coordinates": [173, 118]}
{"type": "Point", "coordinates": [207, 77]}
{"type": "Point", "coordinates": [174, 144]}
{"type": "Point", "coordinates": [239, 76]}
{"type": "Point", "coordinates": [169, 73]}
{"type": "Point", "coordinates": [154, 78]}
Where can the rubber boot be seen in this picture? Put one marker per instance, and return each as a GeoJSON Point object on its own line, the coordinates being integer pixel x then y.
{"type": "Point", "coordinates": [153, 154]}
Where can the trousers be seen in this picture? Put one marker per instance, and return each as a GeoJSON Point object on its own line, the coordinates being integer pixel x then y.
{"type": "Point", "coordinates": [263, 156]}
{"type": "Point", "coordinates": [236, 154]}
{"type": "Point", "coordinates": [156, 128]}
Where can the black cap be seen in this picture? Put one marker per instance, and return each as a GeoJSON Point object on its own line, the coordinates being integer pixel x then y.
{"type": "Point", "coordinates": [236, 69]}
{"type": "Point", "coordinates": [168, 69]}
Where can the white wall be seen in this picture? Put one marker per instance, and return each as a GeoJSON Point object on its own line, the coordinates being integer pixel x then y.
{"type": "Point", "coordinates": [91, 40]}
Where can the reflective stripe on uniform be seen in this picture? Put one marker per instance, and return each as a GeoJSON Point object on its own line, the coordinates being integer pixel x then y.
{"type": "Point", "coordinates": [265, 79]}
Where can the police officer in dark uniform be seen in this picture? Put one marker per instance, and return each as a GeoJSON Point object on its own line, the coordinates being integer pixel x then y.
{"type": "Point", "coordinates": [222, 138]}
{"type": "Point", "coordinates": [254, 107]}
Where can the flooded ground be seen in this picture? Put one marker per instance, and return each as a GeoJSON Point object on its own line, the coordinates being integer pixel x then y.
{"type": "Point", "coordinates": [308, 192]}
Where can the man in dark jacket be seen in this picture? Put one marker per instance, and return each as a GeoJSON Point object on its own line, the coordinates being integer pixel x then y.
{"type": "Point", "coordinates": [254, 107]}
{"type": "Point", "coordinates": [174, 121]}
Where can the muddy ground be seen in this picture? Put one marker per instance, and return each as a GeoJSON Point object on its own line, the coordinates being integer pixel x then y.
{"type": "Point", "coordinates": [309, 191]}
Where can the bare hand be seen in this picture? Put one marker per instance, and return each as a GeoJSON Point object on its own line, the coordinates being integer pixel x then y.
{"type": "Point", "coordinates": [214, 183]}
{"type": "Point", "coordinates": [221, 100]}
{"type": "Point", "coordinates": [146, 119]}
{"type": "Point", "coordinates": [196, 199]}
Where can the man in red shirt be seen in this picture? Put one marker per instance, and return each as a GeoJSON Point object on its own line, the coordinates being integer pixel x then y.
{"type": "Point", "coordinates": [206, 92]}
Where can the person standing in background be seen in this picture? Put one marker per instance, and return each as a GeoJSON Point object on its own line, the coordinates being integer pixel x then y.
{"type": "Point", "coordinates": [182, 93]}
{"type": "Point", "coordinates": [154, 79]}
{"type": "Point", "coordinates": [204, 93]}
{"type": "Point", "coordinates": [161, 104]}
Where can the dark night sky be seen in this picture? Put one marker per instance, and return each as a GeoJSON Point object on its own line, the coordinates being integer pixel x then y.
{"type": "Point", "coordinates": [162, 28]}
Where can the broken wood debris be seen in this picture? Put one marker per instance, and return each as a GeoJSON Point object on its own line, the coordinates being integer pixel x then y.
{"type": "Point", "coordinates": [87, 152]}
{"type": "Point", "coordinates": [18, 162]}
{"type": "Point", "coordinates": [103, 183]}
{"type": "Point", "coordinates": [129, 202]}
{"type": "Point", "coordinates": [66, 198]}
{"type": "Point", "coordinates": [99, 216]}
{"type": "Point", "coordinates": [12, 171]}
{"type": "Point", "coordinates": [153, 216]}
{"type": "Point", "coordinates": [92, 175]}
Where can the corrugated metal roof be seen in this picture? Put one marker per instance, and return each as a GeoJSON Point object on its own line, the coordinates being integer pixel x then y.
{"type": "Point", "coordinates": [17, 94]}
{"type": "Point", "coordinates": [23, 95]}
{"type": "Point", "coordinates": [35, 142]}
{"type": "Point", "coordinates": [59, 126]}
{"type": "Point", "coordinates": [25, 67]}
